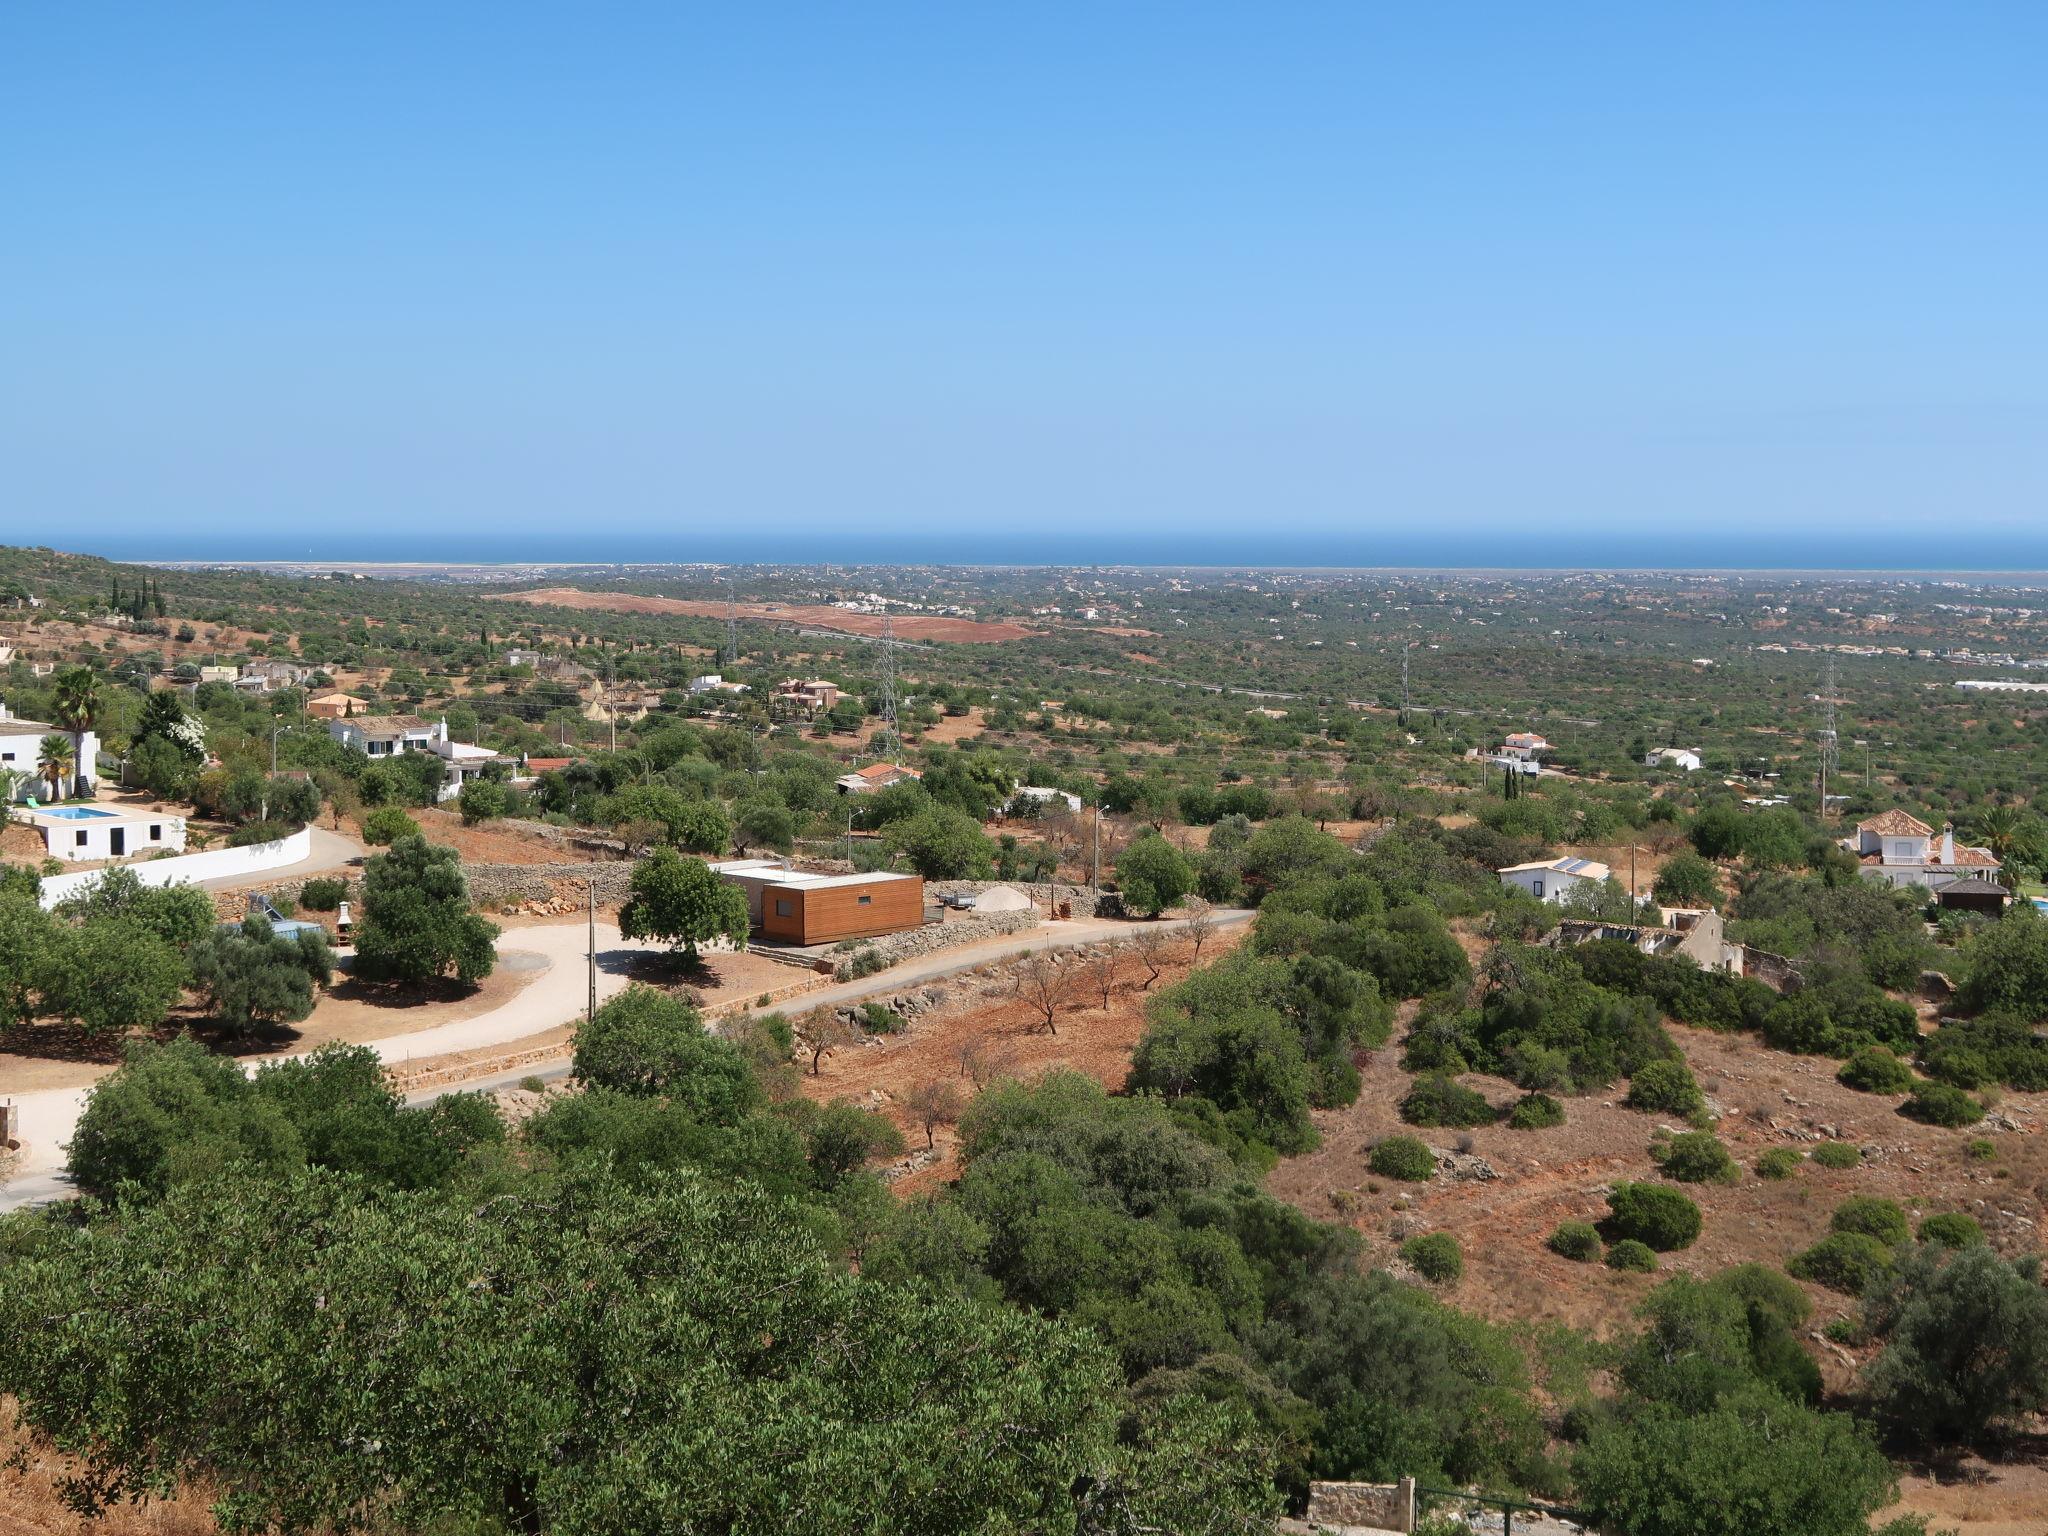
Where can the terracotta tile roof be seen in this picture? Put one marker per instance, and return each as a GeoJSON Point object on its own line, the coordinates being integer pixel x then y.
{"type": "Point", "coordinates": [875, 772]}
{"type": "Point", "coordinates": [548, 764]}
{"type": "Point", "coordinates": [1896, 824]}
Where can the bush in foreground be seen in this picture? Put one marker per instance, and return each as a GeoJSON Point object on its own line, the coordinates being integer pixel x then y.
{"type": "Point", "coordinates": [1665, 1087]}
{"type": "Point", "coordinates": [1942, 1104]}
{"type": "Point", "coordinates": [1778, 1163]}
{"type": "Point", "coordinates": [1628, 1254]}
{"type": "Point", "coordinates": [1952, 1229]}
{"type": "Point", "coordinates": [1875, 1070]}
{"type": "Point", "coordinates": [1535, 1112]}
{"type": "Point", "coordinates": [1439, 1100]}
{"type": "Point", "coordinates": [1655, 1214]}
{"type": "Point", "coordinates": [1849, 1262]}
{"type": "Point", "coordinates": [1873, 1216]}
{"type": "Point", "coordinates": [1697, 1157]}
{"type": "Point", "coordinates": [1435, 1257]}
{"type": "Point", "coordinates": [1576, 1240]}
{"type": "Point", "coordinates": [1837, 1154]}
{"type": "Point", "coordinates": [1403, 1157]}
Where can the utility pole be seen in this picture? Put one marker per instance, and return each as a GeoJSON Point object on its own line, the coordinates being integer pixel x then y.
{"type": "Point", "coordinates": [732, 627]}
{"type": "Point", "coordinates": [1406, 646]}
{"type": "Point", "coordinates": [590, 1011]}
{"type": "Point", "coordinates": [1095, 877]}
{"type": "Point", "coordinates": [1830, 761]}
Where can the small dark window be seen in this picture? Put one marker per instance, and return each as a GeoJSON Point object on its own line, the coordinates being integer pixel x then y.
{"type": "Point", "coordinates": [78, 839]}
{"type": "Point", "coordinates": [783, 908]}
{"type": "Point", "coordinates": [867, 901]}
{"type": "Point", "coordinates": [156, 832]}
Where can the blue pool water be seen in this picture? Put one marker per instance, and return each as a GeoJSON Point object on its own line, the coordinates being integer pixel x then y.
{"type": "Point", "coordinates": [77, 813]}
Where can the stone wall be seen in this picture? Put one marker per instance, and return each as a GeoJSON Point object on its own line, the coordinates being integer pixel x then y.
{"type": "Point", "coordinates": [932, 937]}
{"type": "Point", "coordinates": [496, 886]}
{"type": "Point", "coordinates": [1378, 1506]}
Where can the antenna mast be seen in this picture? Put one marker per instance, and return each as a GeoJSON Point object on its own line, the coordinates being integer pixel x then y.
{"type": "Point", "coordinates": [888, 731]}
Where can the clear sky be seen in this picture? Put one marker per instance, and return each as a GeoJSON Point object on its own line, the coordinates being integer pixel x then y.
{"type": "Point", "coordinates": [1736, 284]}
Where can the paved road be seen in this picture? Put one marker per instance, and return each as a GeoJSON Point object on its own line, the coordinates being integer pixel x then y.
{"type": "Point", "coordinates": [330, 851]}
{"type": "Point", "coordinates": [49, 1118]}
{"type": "Point", "coordinates": [552, 999]}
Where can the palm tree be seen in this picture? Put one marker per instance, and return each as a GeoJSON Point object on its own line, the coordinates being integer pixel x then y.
{"type": "Point", "coordinates": [2010, 837]}
{"type": "Point", "coordinates": [78, 710]}
{"type": "Point", "coordinates": [56, 761]}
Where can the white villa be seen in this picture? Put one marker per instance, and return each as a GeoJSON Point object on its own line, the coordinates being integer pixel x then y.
{"type": "Point", "coordinates": [21, 749]}
{"type": "Point", "coordinates": [1526, 745]}
{"type": "Point", "coordinates": [1554, 879]}
{"type": "Point", "coordinates": [76, 833]}
{"type": "Point", "coordinates": [1044, 795]}
{"type": "Point", "coordinates": [1673, 757]}
{"type": "Point", "coordinates": [379, 736]}
{"type": "Point", "coordinates": [1903, 850]}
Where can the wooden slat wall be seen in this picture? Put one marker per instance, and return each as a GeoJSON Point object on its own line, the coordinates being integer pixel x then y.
{"type": "Point", "coordinates": [831, 913]}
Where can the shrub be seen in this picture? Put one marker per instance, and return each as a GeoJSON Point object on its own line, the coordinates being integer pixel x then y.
{"type": "Point", "coordinates": [1535, 1112]}
{"type": "Point", "coordinates": [1697, 1157]}
{"type": "Point", "coordinates": [1778, 1163]}
{"type": "Point", "coordinates": [1655, 1214]}
{"type": "Point", "coordinates": [1632, 1255]}
{"type": "Point", "coordinates": [534, 1084]}
{"type": "Point", "coordinates": [1942, 1104]}
{"type": "Point", "coordinates": [877, 1020]}
{"type": "Point", "coordinates": [323, 895]}
{"type": "Point", "coordinates": [1873, 1216]}
{"type": "Point", "coordinates": [387, 824]}
{"type": "Point", "coordinates": [863, 962]}
{"type": "Point", "coordinates": [1981, 1150]}
{"type": "Point", "coordinates": [1837, 1154]}
{"type": "Point", "coordinates": [1875, 1070]}
{"type": "Point", "coordinates": [1403, 1157]}
{"type": "Point", "coordinates": [1435, 1257]}
{"type": "Point", "coordinates": [1576, 1240]}
{"type": "Point", "coordinates": [1952, 1229]}
{"type": "Point", "coordinates": [1438, 1100]}
{"type": "Point", "coordinates": [1849, 1262]}
{"type": "Point", "coordinates": [1667, 1087]}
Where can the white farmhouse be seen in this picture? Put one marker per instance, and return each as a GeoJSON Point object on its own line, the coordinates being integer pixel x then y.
{"type": "Point", "coordinates": [21, 749]}
{"type": "Point", "coordinates": [1899, 849]}
{"type": "Point", "coordinates": [1554, 879]}
{"type": "Point", "coordinates": [77, 833]}
{"type": "Point", "coordinates": [1526, 745]}
{"type": "Point", "coordinates": [1673, 757]}
{"type": "Point", "coordinates": [382, 736]}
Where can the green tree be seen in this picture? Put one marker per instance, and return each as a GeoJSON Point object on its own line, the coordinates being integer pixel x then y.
{"type": "Point", "coordinates": [109, 976]}
{"type": "Point", "coordinates": [416, 923]}
{"type": "Point", "coordinates": [1153, 874]}
{"type": "Point", "coordinates": [943, 844]}
{"type": "Point", "coordinates": [2007, 966]}
{"type": "Point", "coordinates": [1755, 1462]}
{"type": "Point", "coordinates": [621, 1359]}
{"type": "Point", "coordinates": [386, 825]}
{"type": "Point", "coordinates": [1966, 1344]}
{"type": "Point", "coordinates": [682, 901]}
{"type": "Point", "coordinates": [79, 705]}
{"type": "Point", "coordinates": [178, 914]}
{"type": "Point", "coordinates": [482, 800]}
{"type": "Point", "coordinates": [56, 758]}
{"type": "Point", "coordinates": [253, 975]}
{"type": "Point", "coordinates": [1687, 880]}
{"type": "Point", "coordinates": [27, 935]}
{"type": "Point", "coordinates": [765, 824]}
{"type": "Point", "coordinates": [646, 1042]}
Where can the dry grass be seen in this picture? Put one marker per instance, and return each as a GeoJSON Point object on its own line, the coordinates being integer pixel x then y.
{"type": "Point", "coordinates": [31, 1506]}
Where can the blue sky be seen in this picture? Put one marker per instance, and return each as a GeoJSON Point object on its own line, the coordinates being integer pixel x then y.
{"type": "Point", "coordinates": [1375, 284]}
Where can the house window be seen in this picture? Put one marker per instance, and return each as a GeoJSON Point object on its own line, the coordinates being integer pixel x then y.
{"type": "Point", "coordinates": [156, 831]}
{"type": "Point", "coordinates": [1539, 890]}
{"type": "Point", "coordinates": [78, 839]}
{"type": "Point", "coordinates": [6, 757]}
{"type": "Point", "coordinates": [784, 907]}
{"type": "Point", "coordinates": [867, 900]}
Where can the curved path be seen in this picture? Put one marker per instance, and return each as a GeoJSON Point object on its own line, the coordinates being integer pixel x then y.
{"type": "Point", "coordinates": [49, 1118]}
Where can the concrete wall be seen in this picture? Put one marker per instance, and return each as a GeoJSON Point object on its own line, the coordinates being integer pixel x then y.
{"type": "Point", "coordinates": [215, 864]}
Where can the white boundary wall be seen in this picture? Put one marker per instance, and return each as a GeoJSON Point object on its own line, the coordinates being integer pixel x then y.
{"type": "Point", "coordinates": [214, 864]}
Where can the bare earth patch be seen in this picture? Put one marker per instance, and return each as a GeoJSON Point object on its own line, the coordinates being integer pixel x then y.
{"type": "Point", "coordinates": [807, 616]}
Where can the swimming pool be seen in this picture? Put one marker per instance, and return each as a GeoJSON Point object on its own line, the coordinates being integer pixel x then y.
{"type": "Point", "coordinates": [77, 813]}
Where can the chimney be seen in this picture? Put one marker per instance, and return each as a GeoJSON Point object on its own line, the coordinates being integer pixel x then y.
{"type": "Point", "coordinates": [1948, 845]}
